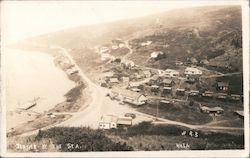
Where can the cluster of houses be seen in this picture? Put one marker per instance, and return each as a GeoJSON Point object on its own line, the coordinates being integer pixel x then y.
{"type": "Point", "coordinates": [218, 110]}
{"type": "Point", "coordinates": [115, 44]}
{"type": "Point", "coordinates": [192, 61]}
{"type": "Point", "coordinates": [112, 122]}
{"type": "Point", "coordinates": [66, 64]}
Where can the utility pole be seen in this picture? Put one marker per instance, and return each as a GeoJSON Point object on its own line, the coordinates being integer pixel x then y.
{"type": "Point", "coordinates": [157, 111]}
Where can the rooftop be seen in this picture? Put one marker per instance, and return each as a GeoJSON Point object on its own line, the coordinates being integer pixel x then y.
{"type": "Point", "coordinates": [222, 84]}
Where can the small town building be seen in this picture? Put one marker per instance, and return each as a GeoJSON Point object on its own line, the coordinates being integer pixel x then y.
{"type": "Point", "coordinates": [167, 82]}
{"type": "Point", "coordinates": [71, 71]}
{"type": "Point", "coordinates": [51, 115]}
{"type": "Point", "coordinates": [128, 63]}
{"type": "Point", "coordinates": [240, 114]}
{"type": "Point", "coordinates": [108, 74]}
{"type": "Point", "coordinates": [221, 96]}
{"type": "Point", "coordinates": [165, 102]}
{"type": "Point", "coordinates": [192, 78]}
{"type": "Point", "coordinates": [171, 73]}
{"type": "Point", "coordinates": [125, 79]}
{"type": "Point", "coordinates": [213, 110]}
{"type": "Point", "coordinates": [192, 71]}
{"type": "Point", "coordinates": [133, 85]}
{"type": "Point", "coordinates": [193, 60]}
{"type": "Point", "coordinates": [154, 80]}
{"type": "Point", "coordinates": [127, 121]}
{"type": "Point", "coordinates": [113, 80]}
{"type": "Point", "coordinates": [121, 45]}
{"type": "Point", "coordinates": [103, 84]}
{"type": "Point", "coordinates": [108, 122]}
{"type": "Point", "coordinates": [178, 63]}
{"type": "Point", "coordinates": [147, 73]}
{"type": "Point", "coordinates": [156, 54]}
{"type": "Point", "coordinates": [161, 73]}
{"type": "Point", "coordinates": [235, 97]}
{"type": "Point", "coordinates": [155, 88]}
{"type": "Point", "coordinates": [146, 43]}
{"type": "Point", "coordinates": [204, 62]}
{"type": "Point", "coordinates": [194, 93]}
{"type": "Point", "coordinates": [105, 56]}
{"type": "Point", "coordinates": [208, 94]}
{"type": "Point", "coordinates": [135, 89]}
{"type": "Point", "coordinates": [180, 92]}
{"type": "Point", "coordinates": [166, 90]}
{"type": "Point", "coordinates": [222, 86]}
{"type": "Point", "coordinates": [104, 50]}
{"type": "Point", "coordinates": [114, 47]}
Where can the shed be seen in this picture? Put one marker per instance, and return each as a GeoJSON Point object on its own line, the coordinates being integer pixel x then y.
{"type": "Point", "coordinates": [194, 93]}
{"type": "Point", "coordinates": [207, 94]}
{"type": "Point", "coordinates": [167, 82]}
{"type": "Point", "coordinates": [165, 102]}
{"type": "Point", "coordinates": [125, 79]}
{"type": "Point", "coordinates": [124, 121]}
{"type": "Point", "coordinates": [235, 97]}
{"type": "Point", "coordinates": [166, 90]}
{"type": "Point", "coordinates": [180, 91]}
{"type": "Point", "coordinates": [156, 54]}
{"type": "Point", "coordinates": [113, 80]}
{"type": "Point", "coordinates": [217, 109]}
{"type": "Point", "coordinates": [221, 96]}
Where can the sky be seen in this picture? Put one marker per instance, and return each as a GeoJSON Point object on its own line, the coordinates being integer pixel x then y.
{"type": "Point", "coordinates": [20, 20]}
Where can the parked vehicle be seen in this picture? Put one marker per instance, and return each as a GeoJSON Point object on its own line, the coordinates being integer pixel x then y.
{"type": "Point", "coordinates": [133, 116]}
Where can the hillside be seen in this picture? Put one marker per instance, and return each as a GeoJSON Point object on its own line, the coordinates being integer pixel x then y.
{"type": "Point", "coordinates": [212, 33]}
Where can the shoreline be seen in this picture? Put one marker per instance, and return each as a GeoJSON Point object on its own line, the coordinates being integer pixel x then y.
{"type": "Point", "coordinates": [75, 100]}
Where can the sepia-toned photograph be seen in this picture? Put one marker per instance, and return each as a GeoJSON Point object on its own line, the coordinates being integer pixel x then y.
{"type": "Point", "coordinates": [125, 78]}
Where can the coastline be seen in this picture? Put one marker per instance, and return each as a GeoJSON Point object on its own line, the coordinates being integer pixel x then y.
{"type": "Point", "coordinates": [75, 100]}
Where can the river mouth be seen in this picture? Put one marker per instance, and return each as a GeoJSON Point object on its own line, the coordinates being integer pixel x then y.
{"type": "Point", "coordinates": [32, 75]}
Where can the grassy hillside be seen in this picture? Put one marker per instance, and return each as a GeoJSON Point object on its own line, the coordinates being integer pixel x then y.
{"type": "Point", "coordinates": [212, 33]}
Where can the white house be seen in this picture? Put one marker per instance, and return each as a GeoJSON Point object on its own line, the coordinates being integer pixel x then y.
{"type": "Point", "coordinates": [171, 73]}
{"type": "Point", "coordinates": [104, 50]}
{"type": "Point", "coordinates": [156, 54]}
{"type": "Point", "coordinates": [146, 43]}
{"type": "Point", "coordinates": [192, 71]}
{"type": "Point", "coordinates": [108, 122]}
{"type": "Point", "coordinates": [114, 47]}
{"type": "Point", "coordinates": [105, 56]}
{"type": "Point", "coordinates": [121, 45]}
{"type": "Point", "coordinates": [128, 63]}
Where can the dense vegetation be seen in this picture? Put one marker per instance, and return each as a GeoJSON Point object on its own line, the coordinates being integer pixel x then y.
{"type": "Point", "coordinates": [171, 134]}
{"type": "Point", "coordinates": [86, 139]}
{"type": "Point", "coordinates": [144, 136]}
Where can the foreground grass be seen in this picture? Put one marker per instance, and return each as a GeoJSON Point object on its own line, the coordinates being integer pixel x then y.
{"type": "Point", "coordinates": [141, 137]}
